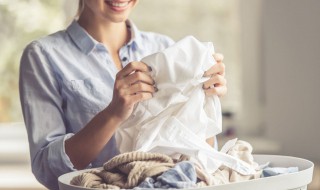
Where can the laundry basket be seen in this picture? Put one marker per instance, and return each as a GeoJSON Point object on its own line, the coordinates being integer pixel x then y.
{"type": "Point", "coordinates": [292, 181]}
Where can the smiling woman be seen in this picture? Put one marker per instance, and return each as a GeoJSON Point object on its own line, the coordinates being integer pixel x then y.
{"type": "Point", "coordinates": [86, 38]}
{"type": "Point", "coordinates": [208, 20]}
{"type": "Point", "coordinates": [192, 19]}
{"type": "Point", "coordinates": [83, 62]}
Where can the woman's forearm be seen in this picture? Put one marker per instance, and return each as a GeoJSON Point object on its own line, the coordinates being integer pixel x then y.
{"type": "Point", "coordinates": [85, 146]}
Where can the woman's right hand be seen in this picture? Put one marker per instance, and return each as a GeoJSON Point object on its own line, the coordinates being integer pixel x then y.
{"type": "Point", "coordinates": [133, 84]}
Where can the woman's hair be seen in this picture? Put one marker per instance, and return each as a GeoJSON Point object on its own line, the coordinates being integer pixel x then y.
{"type": "Point", "coordinates": [80, 8]}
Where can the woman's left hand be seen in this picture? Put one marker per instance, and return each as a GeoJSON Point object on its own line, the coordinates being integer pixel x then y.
{"type": "Point", "coordinates": [217, 84]}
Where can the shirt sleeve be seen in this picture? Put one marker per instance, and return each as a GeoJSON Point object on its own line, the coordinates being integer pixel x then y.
{"type": "Point", "coordinates": [41, 105]}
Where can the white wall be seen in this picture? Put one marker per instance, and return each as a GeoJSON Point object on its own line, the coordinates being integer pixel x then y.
{"type": "Point", "coordinates": [291, 74]}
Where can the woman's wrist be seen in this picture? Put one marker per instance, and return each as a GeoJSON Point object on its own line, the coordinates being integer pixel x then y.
{"type": "Point", "coordinates": [112, 116]}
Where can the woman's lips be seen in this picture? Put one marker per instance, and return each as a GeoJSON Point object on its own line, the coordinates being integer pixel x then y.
{"type": "Point", "coordinates": [117, 5]}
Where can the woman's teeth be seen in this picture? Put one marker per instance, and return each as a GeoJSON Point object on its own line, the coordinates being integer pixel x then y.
{"type": "Point", "coordinates": [115, 4]}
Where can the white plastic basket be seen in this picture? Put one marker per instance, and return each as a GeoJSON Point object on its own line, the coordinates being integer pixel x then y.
{"type": "Point", "coordinates": [293, 181]}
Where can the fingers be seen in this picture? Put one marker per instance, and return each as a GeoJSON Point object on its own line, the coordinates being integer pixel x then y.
{"type": "Point", "coordinates": [218, 68]}
{"type": "Point", "coordinates": [139, 88]}
{"type": "Point", "coordinates": [139, 97]}
{"type": "Point", "coordinates": [216, 85]}
{"type": "Point", "coordinates": [215, 81]}
{"type": "Point", "coordinates": [134, 83]}
{"type": "Point", "coordinates": [133, 73]}
{"type": "Point", "coordinates": [132, 67]}
{"type": "Point", "coordinates": [219, 91]}
{"type": "Point", "coordinates": [138, 77]}
{"type": "Point", "coordinates": [218, 57]}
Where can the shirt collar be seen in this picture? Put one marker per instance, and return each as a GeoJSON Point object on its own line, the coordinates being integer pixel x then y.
{"type": "Point", "coordinates": [136, 39]}
{"type": "Point", "coordinates": [86, 43]}
{"type": "Point", "coordinates": [81, 38]}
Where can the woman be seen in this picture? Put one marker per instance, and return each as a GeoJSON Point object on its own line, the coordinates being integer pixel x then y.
{"type": "Point", "coordinates": [78, 85]}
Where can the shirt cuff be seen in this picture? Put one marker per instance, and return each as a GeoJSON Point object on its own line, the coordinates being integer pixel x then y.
{"type": "Point", "coordinates": [59, 161]}
{"type": "Point", "coordinates": [64, 155]}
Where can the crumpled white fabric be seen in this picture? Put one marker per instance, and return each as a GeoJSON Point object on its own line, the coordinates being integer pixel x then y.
{"type": "Point", "coordinates": [179, 118]}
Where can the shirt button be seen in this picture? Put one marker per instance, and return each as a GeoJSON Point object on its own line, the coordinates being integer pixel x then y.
{"type": "Point", "coordinates": [124, 59]}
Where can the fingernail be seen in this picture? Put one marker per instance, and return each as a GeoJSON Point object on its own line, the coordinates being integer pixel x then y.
{"type": "Point", "coordinates": [150, 69]}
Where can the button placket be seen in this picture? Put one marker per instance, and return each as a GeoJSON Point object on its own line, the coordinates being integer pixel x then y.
{"type": "Point", "coordinates": [123, 53]}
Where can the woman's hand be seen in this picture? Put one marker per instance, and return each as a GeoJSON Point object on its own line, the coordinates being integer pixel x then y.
{"type": "Point", "coordinates": [216, 85]}
{"type": "Point", "coordinates": [133, 84]}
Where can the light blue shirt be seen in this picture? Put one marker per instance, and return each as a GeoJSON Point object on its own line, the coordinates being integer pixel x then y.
{"type": "Point", "coordinates": [65, 79]}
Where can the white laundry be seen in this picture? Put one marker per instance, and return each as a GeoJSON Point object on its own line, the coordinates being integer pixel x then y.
{"type": "Point", "coordinates": [179, 118]}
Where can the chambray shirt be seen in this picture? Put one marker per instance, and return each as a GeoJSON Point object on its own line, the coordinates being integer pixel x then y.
{"type": "Point", "coordinates": [66, 78]}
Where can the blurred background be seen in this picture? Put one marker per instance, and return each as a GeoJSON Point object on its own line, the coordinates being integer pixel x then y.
{"type": "Point", "coordinates": [272, 56]}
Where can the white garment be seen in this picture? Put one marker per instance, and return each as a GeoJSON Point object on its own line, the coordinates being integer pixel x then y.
{"type": "Point", "coordinates": [241, 150]}
{"type": "Point", "coordinates": [179, 118]}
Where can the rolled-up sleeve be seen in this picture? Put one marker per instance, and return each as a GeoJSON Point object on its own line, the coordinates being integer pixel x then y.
{"type": "Point", "coordinates": [41, 104]}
